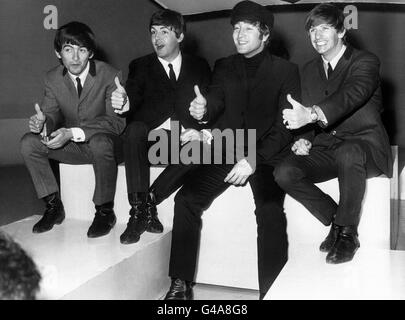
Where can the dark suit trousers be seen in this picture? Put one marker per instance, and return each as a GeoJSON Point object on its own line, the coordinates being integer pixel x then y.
{"type": "Point", "coordinates": [137, 165]}
{"type": "Point", "coordinates": [199, 192]}
{"type": "Point", "coordinates": [101, 151]}
{"type": "Point", "coordinates": [350, 161]}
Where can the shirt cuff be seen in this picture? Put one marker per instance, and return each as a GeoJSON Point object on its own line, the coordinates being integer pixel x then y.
{"type": "Point", "coordinates": [321, 115]}
{"type": "Point", "coordinates": [78, 135]}
{"type": "Point", "coordinates": [207, 136]}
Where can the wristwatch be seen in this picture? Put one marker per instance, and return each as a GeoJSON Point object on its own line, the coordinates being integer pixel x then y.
{"type": "Point", "coordinates": [314, 115]}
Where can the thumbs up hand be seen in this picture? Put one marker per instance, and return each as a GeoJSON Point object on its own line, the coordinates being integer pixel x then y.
{"type": "Point", "coordinates": [296, 117]}
{"type": "Point", "coordinates": [119, 98]}
{"type": "Point", "coordinates": [198, 107]}
{"type": "Point", "coordinates": [36, 122]}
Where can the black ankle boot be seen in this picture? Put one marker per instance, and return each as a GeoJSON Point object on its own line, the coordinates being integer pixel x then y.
{"type": "Point", "coordinates": [54, 214]}
{"type": "Point", "coordinates": [104, 220]}
{"type": "Point", "coordinates": [180, 290]}
{"type": "Point", "coordinates": [154, 225]}
{"type": "Point", "coordinates": [330, 239]}
{"type": "Point", "coordinates": [345, 247]}
{"type": "Point", "coordinates": [138, 221]}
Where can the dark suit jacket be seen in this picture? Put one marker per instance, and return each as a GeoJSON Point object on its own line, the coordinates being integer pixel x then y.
{"type": "Point", "coordinates": [260, 107]}
{"type": "Point", "coordinates": [153, 98]}
{"type": "Point", "coordinates": [352, 102]}
{"type": "Point", "coordinates": [93, 112]}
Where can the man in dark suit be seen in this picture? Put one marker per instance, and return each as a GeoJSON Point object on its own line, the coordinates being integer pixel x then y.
{"type": "Point", "coordinates": [159, 88]}
{"type": "Point", "coordinates": [249, 89]}
{"type": "Point", "coordinates": [342, 103]}
{"type": "Point", "coordinates": [77, 114]}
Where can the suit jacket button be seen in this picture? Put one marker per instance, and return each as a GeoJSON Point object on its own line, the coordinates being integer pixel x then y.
{"type": "Point", "coordinates": [326, 92]}
{"type": "Point", "coordinates": [333, 132]}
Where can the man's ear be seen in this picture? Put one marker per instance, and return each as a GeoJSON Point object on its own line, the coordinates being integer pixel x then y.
{"type": "Point", "coordinates": [265, 37]}
{"type": "Point", "coordinates": [342, 34]}
{"type": "Point", "coordinates": [91, 54]}
{"type": "Point", "coordinates": [58, 54]}
{"type": "Point", "coordinates": [180, 38]}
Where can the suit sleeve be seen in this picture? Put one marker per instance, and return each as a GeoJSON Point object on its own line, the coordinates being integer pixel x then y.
{"type": "Point", "coordinates": [278, 136]}
{"type": "Point", "coordinates": [135, 86]}
{"type": "Point", "coordinates": [50, 107]}
{"type": "Point", "coordinates": [356, 90]}
{"type": "Point", "coordinates": [216, 94]}
{"type": "Point", "coordinates": [203, 84]}
{"type": "Point", "coordinates": [110, 122]}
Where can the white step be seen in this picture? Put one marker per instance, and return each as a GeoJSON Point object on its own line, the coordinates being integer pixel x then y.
{"type": "Point", "coordinates": [375, 274]}
{"type": "Point", "coordinates": [76, 267]}
{"type": "Point", "coordinates": [228, 253]}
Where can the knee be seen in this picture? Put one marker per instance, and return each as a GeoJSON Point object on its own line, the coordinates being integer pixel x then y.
{"type": "Point", "coordinates": [349, 153]}
{"type": "Point", "coordinates": [29, 143]}
{"type": "Point", "coordinates": [101, 145]}
{"type": "Point", "coordinates": [136, 130]}
{"type": "Point", "coordinates": [286, 175]}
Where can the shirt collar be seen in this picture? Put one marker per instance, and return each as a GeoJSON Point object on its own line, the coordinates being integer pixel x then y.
{"type": "Point", "coordinates": [336, 59]}
{"type": "Point", "coordinates": [82, 76]}
{"type": "Point", "coordinates": [176, 63]}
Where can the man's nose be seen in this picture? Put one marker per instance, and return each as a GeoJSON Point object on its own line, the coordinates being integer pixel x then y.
{"type": "Point", "coordinates": [75, 54]}
{"type": "Point", "coordinates": [158, 36]}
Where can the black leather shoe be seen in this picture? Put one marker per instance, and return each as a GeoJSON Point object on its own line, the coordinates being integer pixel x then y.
{"type": "Point", "coordinates": [54, 214]}
{"type": "Point", "coordinates": [180, 290]}
{"type": "Point", "coordinates": [345, 246]}
{"type": "Point", "coordinates": [103, 222]}
{"type": "Point", "coordinates": [330, 239]}
{"type": "Point", "coordinates": [138, 222]}
{"type": "Point", "coordinates": [136, 225]}
{"type": "Point", "coordinates": [154, 225]}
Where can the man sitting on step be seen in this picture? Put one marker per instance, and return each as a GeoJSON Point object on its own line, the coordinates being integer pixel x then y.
{"type": "Point", "coordinates": [160, 88]}
{"type": "Point", "coordinates": [75, 124]}
{"type": "Point", "coordinates": [341, 108]}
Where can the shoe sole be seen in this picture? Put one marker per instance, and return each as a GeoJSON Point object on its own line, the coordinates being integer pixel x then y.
{"type": "Point", "coordinates": [154, 231]}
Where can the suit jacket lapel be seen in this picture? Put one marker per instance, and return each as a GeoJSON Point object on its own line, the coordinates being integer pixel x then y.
{"type": "Point", "coordinates": [89, 82]}
{"type": "Point", "coordinates": [321, 69]}
{"type": "Point", "coordinates": [343, 62]}
{"type": "Point", "coordinates": [69, 84]}
{"type": "Point", "coordinates": [183, 69]}
{"type": "Point", "coordinates": [160, 71]}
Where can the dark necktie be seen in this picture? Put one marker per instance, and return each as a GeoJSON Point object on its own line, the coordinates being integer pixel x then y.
{"type": "Point", "coordinates": [330, 70]}
{"type": "Point", "coordinates": [172, 75]}
{"type": "Point", "coordinates": [79, 86]}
